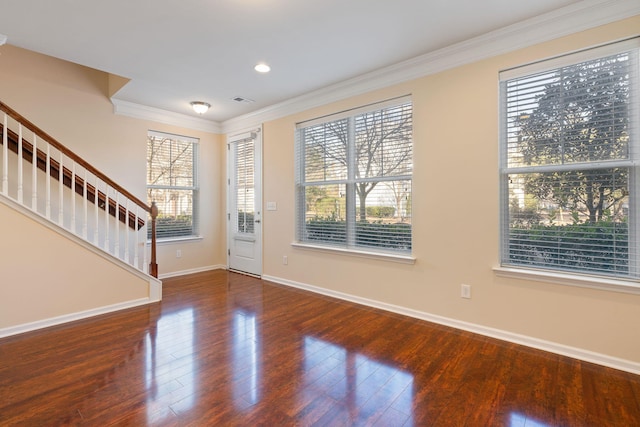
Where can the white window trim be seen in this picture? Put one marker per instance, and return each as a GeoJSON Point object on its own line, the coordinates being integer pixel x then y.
{"type": "Point", "coordinates": [567, 279]}
{"type": "Point", "coordinates": [381, 253]}
{"type": "Point", "coordinates": [182, 239]}
{"type": "Point", "coordinates": [383, 256]}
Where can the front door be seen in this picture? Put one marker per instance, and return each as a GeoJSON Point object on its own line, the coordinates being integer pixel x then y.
{"type": "Point", "coordinates": [244, 219]}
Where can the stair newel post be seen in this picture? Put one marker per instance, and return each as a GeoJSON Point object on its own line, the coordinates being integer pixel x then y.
{"type": "Point", "coordinates": [153, 266]}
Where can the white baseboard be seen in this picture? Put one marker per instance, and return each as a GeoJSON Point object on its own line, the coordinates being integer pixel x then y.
{"type": "Point", "coordinates": [564, 350]}
{"type": "Point", "coordinates": [58, 320]}
{"type": "Point", "coordinates": [192, 271]}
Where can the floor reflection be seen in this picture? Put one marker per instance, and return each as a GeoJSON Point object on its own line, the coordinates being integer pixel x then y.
{"type": "Point", "coordinates": [357, 385]}
{"type": "Point", "coordinates": [170, 364]}
{"type": "Point", "coordinates": [519, 420]}
{"type": "Point", "coordinates": [245, 360]}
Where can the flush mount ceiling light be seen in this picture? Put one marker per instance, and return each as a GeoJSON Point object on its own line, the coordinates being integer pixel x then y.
{"type": "Point", "coordinates": [200, 107]}
{"type": "Point", "coordinates": [262, 68]}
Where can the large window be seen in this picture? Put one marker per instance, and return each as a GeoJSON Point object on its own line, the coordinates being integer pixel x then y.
{"type": "Point", "coordinates": [569, 163]}
{"type": "Point", "coordinates": [354, 178]}
{"type": "Point", "coordinates": [172, 183]}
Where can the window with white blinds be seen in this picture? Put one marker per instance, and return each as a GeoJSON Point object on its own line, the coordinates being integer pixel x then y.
{"type": "Point", "coordinates": [569, 163]}
{"type": "Point", "coordinates": [172, 183]}
{"type": "Point", "coordinates": [354, 172]}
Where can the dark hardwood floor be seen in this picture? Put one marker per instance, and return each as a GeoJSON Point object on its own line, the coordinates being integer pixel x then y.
{"type": "Point", "coordinates": [224, 349]}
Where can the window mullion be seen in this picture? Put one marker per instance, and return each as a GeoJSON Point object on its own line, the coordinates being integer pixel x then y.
{"type": "Point", "coordinates": [351, 186]}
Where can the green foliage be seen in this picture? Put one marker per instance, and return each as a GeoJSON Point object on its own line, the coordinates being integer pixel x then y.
{"type": "Point", "coordinates": [524, 217]}
{"type": "Point", "coordinates": [581, 117]}
{"type": "Point", "coordinates": [368, 234]}
{"type": "Point", "coordinates": [170, 226]}
{"type": "Point", "coordinates": [381, 211]}
{"type": "Point", "coordinates": [600, 247]}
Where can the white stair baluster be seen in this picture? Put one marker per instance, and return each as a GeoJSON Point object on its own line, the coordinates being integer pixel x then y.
{"type": "Point", "coordinates": [96, 211]}
{"type": "Point", "coordinates": [48, 183]}
{"type": "Point", "coordinates": [85, 208]}
{"type": "Point", "coordinates": [136, 254]}
{"type": "Point", "coordinates": [34, 176]}
{"type": "Point", "coordinates": [5, 157]}
{"type": "Point", "coordinates": [127, 231]}
{"type": "Point", "coordinates": [61, 191]}
{"type": "Point", "coordinates": [117, 236]}
{"type": "Point", "coordinates": [20, 171]}
{"type": "Point", "coordinates": [106, 217]}
{"type": "Point", "coordinates": [143, 231]}
{"type": "Point", "coordinates": [73, 198]}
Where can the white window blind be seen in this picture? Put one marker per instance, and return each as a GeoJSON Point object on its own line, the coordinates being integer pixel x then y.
{"type": "Point", "coordinates": [245, 185]}
{"type": "Point", "coordinates": [172, 183]}
{"type": "Point", "coordinates": [569, 163]}
{"type": "Point", "coordinates": [354, 172]}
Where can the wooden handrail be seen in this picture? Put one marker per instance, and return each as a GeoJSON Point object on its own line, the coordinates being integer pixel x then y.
{"type": "Point", "coordinates": [70, 154]}
{"type": "Point", "coordinates": [78, 186]}
{"type": "Point", "coordinates": [67, 176]}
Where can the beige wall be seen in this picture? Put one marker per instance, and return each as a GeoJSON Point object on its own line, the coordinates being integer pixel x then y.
{"type": "Point", "coordinates": [455, 176]}
{"type": "Point", "coordinates": [455, 217]}
{"type": "Point", "coordinates": [71, 103]}
{"type": "Point", "coordinates": [45, 275]}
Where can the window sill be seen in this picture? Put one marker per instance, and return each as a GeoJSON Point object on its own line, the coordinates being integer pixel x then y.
{"type": "Point", "coordinates": [403, 259]}
{"type": "Point", "coordinates": [171, 240]}
{"type": "Point", "coordinates": [593, 282]}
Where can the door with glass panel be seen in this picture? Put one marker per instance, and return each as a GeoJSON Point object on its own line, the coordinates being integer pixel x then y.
{"type": "Point", "coordinates": [244, 226]}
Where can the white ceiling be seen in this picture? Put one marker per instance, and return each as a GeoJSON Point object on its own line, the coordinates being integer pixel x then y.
{"type": "Point", "coordinates": [175, 52]}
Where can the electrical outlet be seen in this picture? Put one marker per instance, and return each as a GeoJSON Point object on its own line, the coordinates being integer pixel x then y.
{"type": "Point", "coordinates": [179, 253]}
{"type": "Point", "coordinates": [285, 260]}
{"type": "Point", "coordinates": [465, 291]}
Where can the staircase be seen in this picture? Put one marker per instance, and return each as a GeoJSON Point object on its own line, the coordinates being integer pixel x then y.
{"type": "Point", "coordinates": [52, 182]}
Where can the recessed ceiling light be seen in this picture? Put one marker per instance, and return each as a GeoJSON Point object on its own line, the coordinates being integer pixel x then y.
{"type": "Point", "coordinates": [262, 68]}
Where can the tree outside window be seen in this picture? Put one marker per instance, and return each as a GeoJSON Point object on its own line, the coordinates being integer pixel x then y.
{"type": "Point", "coordinates": [354, 185]}
{"type": "Point", "coordinates": [568, 158]}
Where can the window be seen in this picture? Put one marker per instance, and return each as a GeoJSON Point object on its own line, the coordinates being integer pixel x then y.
{"type": "Point", "coordinates": [569, 163]}
{"type": "Point", "coordinates": [354, 178]}
{"type": "Point", "coordinates": [172, 183]}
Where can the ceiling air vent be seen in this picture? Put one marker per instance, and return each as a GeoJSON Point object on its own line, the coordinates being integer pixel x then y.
{"type": "Point", "coordinates": [241, 99]}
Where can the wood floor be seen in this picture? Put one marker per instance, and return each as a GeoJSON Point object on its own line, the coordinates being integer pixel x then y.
{"type": "Point", "coordinates": [224, 349]}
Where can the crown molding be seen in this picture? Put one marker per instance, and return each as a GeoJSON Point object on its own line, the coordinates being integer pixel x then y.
{"type": "Point", "coordinates": [144, 112]}
{"type": "Point", "coordinates": [562, 22]}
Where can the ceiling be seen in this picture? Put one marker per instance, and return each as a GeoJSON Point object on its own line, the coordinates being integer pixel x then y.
{"type": "Point", "coordinates": [176, 52]}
